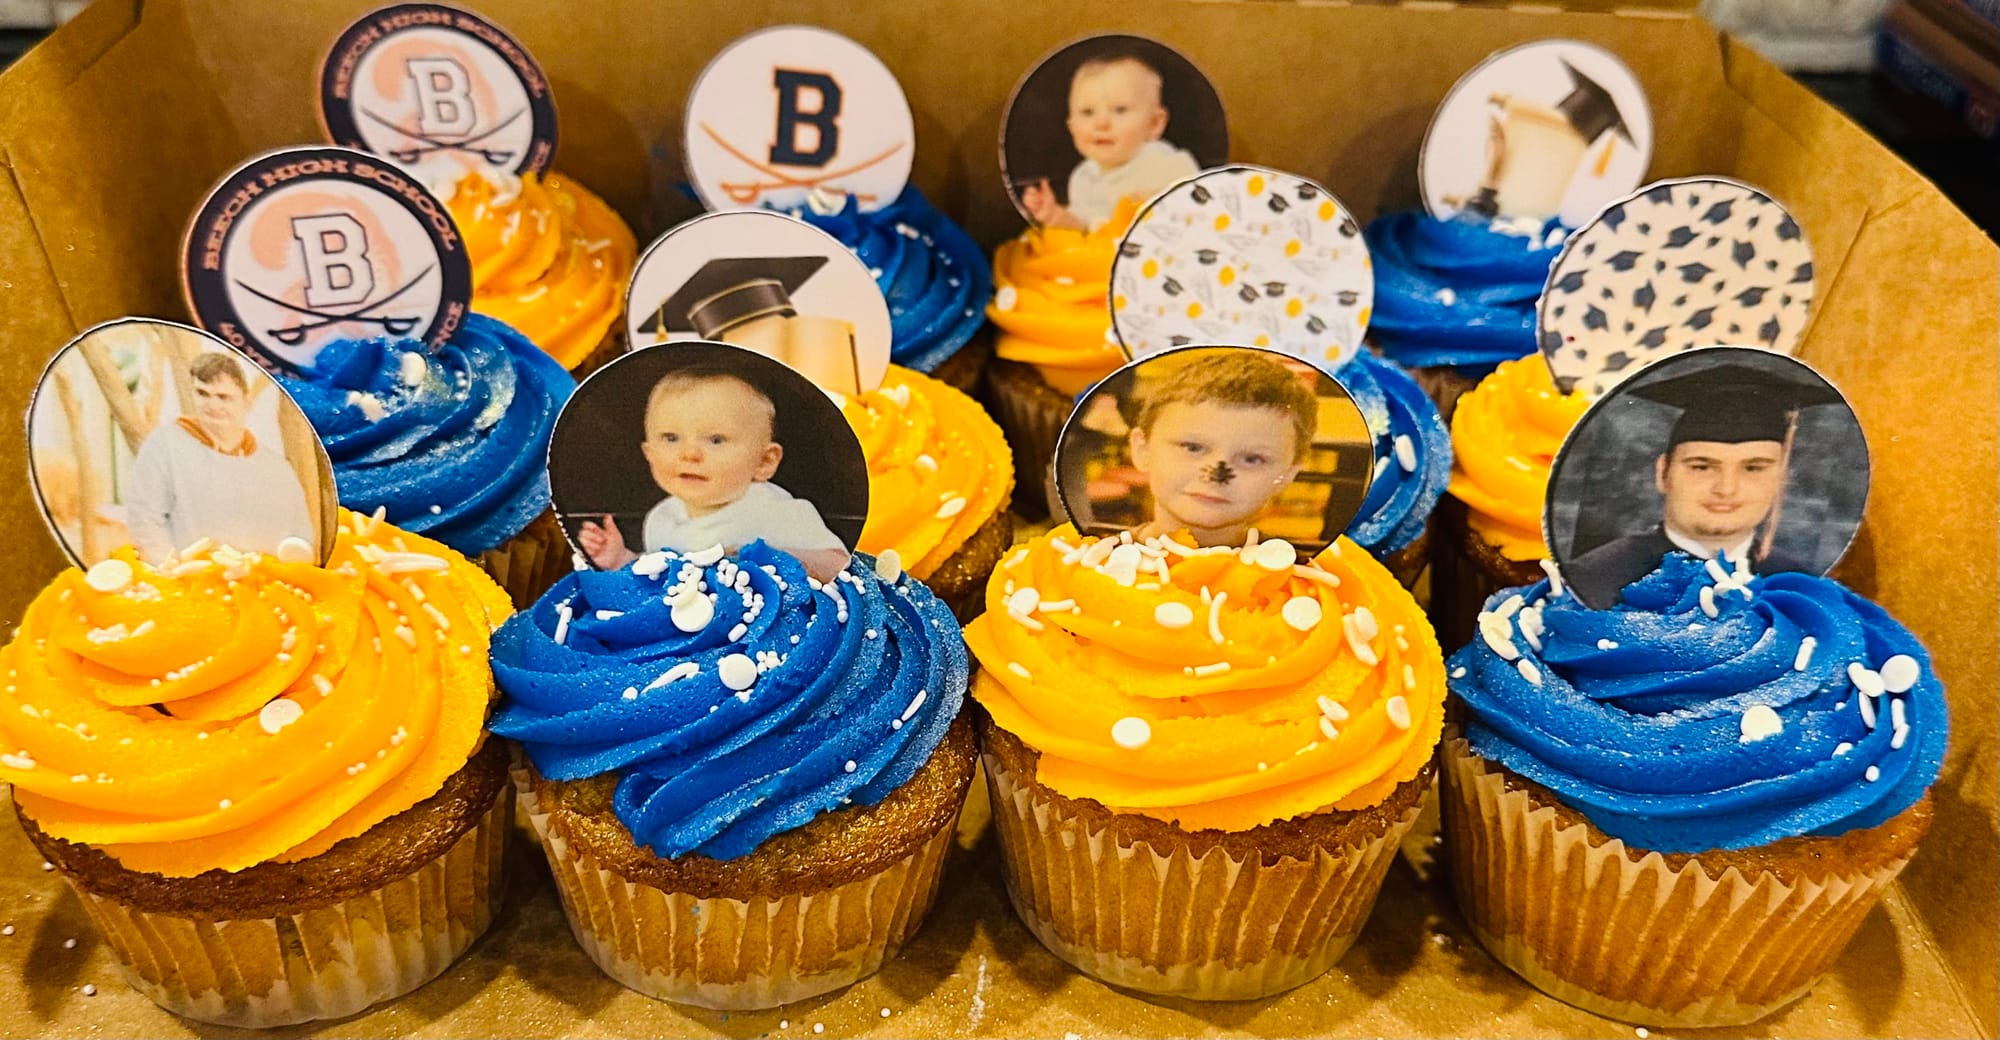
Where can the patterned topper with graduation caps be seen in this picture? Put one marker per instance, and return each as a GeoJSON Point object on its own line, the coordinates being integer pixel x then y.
{"type": "Point", "coordinates": [1677, 265]}
{"type": "Point", "coordinates": [1247, 255]}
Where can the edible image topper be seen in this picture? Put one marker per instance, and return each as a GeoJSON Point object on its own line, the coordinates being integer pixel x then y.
{"type": "Point", "coordinates": [301, 248]}
{"type": "Point", "coordinates": [1681, 264]}
{"type": "Point", "coordinates": [1103, 119]}
{"type": "Point", "coordinates": [1216, 441]}
{"type": "Point", "coordinates": [702, 446]}
{"type": "Point", "coordinates": [787, 110]}
{"type": "Point", "coordinates": [1554, 128]}
{"type": "Point", "coordinates": [1730, 451]}
{"type": "Point", "coordinates": [1244, 255]}
{"type": "Point", "coordinates": [440, 91]}
{"type": "Point", "coordinates": [153, 435]}
{"type": "Point", "coordinates": [769, 282]}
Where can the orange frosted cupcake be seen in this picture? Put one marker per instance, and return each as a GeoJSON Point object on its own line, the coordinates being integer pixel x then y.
{"type": "Point", "coordinates": [266, 781]}
{"type": "Point", "coordinates": [1201, 760]}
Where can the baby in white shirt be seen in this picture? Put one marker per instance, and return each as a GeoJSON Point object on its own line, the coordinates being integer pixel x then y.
{"type": "Point", "coordinates": [1115, 120]}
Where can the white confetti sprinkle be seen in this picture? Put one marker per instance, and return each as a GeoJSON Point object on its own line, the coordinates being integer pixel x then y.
{"type": "Point", "coordinates": [737, 672]}
{"type": "Point", "coordinates": [1303, 613]}
{"type": "Point", "coordinates": [1865, 680]}
{"type": "Point", "coordinates": [1805, 653]}
{"type": "Point", "coordinates": [1529, 671]}
{"type": "Point", "coordinates": [1607, 644]}
{"type": "Point", "coordinates": [1275, 554]}
{"type": "Point", "coordinates": [278, 714]}
{"type": "Point", "coordinates": [108, 575]}
{"type": "Point", "coordinates": [1131, 733]}
{"type": "Point", "coordinates": [1326, 727]}
{"type": "Point", "coordinates": [1900, 673]}
{"type": "Point", "coordinates": [1398, 711]}
{"type": "Point", "coordinates": [1842, 748]}
{"type": "Point", "coordinates": [1006, 298]}
{"type": "Point", "coordinates": [1759, 722]}
{"type": "Point", "coordinates": [1018, 669]}
{"type": "Point", "coordinates": [1173, 615]}
{"type": "Point", "coordinates": [1406, 453]}
{"type": "Point", "coordinates": [889, 565]}
{"type": "Point", "coordinates": [1873, 774]}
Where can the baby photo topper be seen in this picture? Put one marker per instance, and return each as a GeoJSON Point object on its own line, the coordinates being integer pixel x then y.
{"type": "Point", "coordinates": [301, 248]}
{"type": "Point", "coordinates": [785, 111]}
{"type": "Point", "coordinates": [153, 436]}
{"type": "Point", "coordinates": [1103, 120]}
{"type": "Point", "coordinates": [1216, 441]}
{"type": "Point", "coordinates": [706, 445]}
{"type": "Point", "coordinates": [1684, 263]}
{"type": "Point", "coordinates": [440, 91]}
{"type": "Point", "coordinates": [1244, 255]}
{"type": "Point", "coordinates": [1554, 128]}
{"type": "Point", "coordinates": [1723, 451]}
{"type": "Point", "coordinates": [769, 282]}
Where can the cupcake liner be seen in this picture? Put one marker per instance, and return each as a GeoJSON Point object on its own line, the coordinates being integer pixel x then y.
{"type": "Point", "coordinates": [962, 370]}
{"type": "Point", "coordinates": [531, 561]}
{"type": "Point", "coordinates": [323, 962]}
{"type": "Point", "coordinates": [1031, 414]}
{"type": "Point", "coordinates": [733, 954]}
{"type": "Point", "coordinates": [1213, 926]}
{"type": "Point", "coordinates": [1626, 933]}
{"type": "Point", "coordinates": [608, 348]}
{"type": "Point", "coordinates": [1466, 570]}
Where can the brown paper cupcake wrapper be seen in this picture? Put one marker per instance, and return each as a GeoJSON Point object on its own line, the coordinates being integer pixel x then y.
{"type": "Point", "coordinates": [1444, 386]}
{"type": "Point", "coordinates": [531, 561]}
{"type": "Point", "coordinates": [1031, 414]}
{"type": "Point", "coordinates": [733, 954]}
{"type": "Point", "coordinates": [962, 370]}
{"type": "Point", "coordinates": [1622, 933]}
{"type": "Point", "coordinates": [1207, 927]}
{"type": "Point", "coordinates": [327, 962]}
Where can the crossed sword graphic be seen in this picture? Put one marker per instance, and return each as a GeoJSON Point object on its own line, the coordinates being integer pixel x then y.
{"type": "Point", "coordinates": [293, 335]}
{"type": "Point", "coordinates": [747, 193]}
{"type": "Point", "coordinates": [492, 156]}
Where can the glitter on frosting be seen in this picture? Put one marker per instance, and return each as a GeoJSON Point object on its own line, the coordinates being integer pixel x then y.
{"type": "Point", "coordinates": [1457, 293]}
{"type": "Point", "coordinates": [1405, 425]}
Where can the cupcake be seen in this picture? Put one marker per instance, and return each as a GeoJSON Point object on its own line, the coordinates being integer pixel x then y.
{"type": "Point", "coordinates": [939, 479]}
{"type": "Point", "coordinates": [266, 781]}
{"type": "Point", "coordinates": [449, 445]}
{"type": "Point", "coordinates": [1677, 812]}
{"type": "Point", "coordinates": [1201, 760]}
{"type": "Point", "coordinates": [1454, 298]}
{"type": "Point", "coordinates": [548, 258]}
{"type": "Point", "coordinates": [1412, 465]}
{"type": "Point", "coordinates": [746, 794]}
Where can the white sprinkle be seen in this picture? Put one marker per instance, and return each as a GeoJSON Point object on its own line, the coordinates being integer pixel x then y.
{"type": "Point", "coordinates": [1173, 615]}
{"type": "Point", "coordinates": [1312, 573]}
{"type": "Point", "coordinates": [1873, 774]}
{"type": "Point", "coordinates": [915, 703]}
{"type": "Point", "coordinates": [224, 804]}
{"type": "Point", "coordinates": [1017, 669]}
{"type": "Point", "coordinates": [108, 575]}
{"type": "Point", "coordinates": [850, 766]}
{"type": "Point", "coordinates": [406, 562]}
{"type": "Point", "coordinates": [1275, 554]}
{"type": "Point", "coordinates": [1215, 617]}
{"type": "Point", "coordinates": [889, 565]}
{"type": "Point", "coordinates": [1708, 601]}
{"type": "Point", "coordinates": [1446, 296]}
{"type": "Point", "coordinates": [952, 507]}
{"type": "Point", "coordinates": [1804, 657]}
{"type": "Point", "coordinates": [1381, 467]}
{"type": "Point", "coordinates": [1640, 1032]}
{"type": "Point", "coordinates": [69, 944]}
{"type": "Point", "coordinates": [8, 930]}
{"type": "Point", "coordinates": [1759, 722]}
{"type": "Point", "coordinates": [1499, 636]}
{"type": "Point", "coordinates": [1006, 298]}
{"type": "Point", "coordinates": [1331, 708]}
{"type": "Point", "coordinates": [1398, 711]}
{"type": "Point", "coordinates": [1529, 671]}
{"type": "Point", "coordinates": [1900, 673]}
{"type": "Point", "coordinates": [17, 761]}
{"type": "Point", "coordinates": [1409, 677]}
{"type": "Point", "coordinates": [737, 672]}
{"type": "Point", "coordinates": [691, 611]}
{"type": "Point", "coordinates": [1842, 748]}
{"type": "Point", "coordinates": [1458, 673]}
{"type": "Point", "coordinates": [1864, 680]}
{"type": "Point", "coordinates": [1867, 711]}
{"type": "Point", "coordinates": [1357, 642]}
{"type": "Point", "coordinates": [1607, 644]}
{"type": "Point", "coordinates": [370, 405]}
{"type": "Point", "coordinates": [1326, 727]}
{"type": "Point", "coordinates": [1555, 578]}
{"type": "Point", "coordinates": [927, 464]}
{"type": "Point", "coordinates": [1406, 453]}
{"type": "Point", "coordinates": [1204, 670]}
{"type": "Point", "coordinates": [280, 713]}
{"type": "Point", "coordinates": [1303, 613]}
{"type": "Point", "coordinates": [819, 1027]}
{"type": "Point", "coordinates": [1131, 733]}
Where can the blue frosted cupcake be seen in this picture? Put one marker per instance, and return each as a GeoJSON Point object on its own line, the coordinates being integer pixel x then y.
{"type": "Point", "coordinates": [1412, 464]}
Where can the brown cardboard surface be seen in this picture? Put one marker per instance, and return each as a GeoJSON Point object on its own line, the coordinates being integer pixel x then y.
{"type": "Point", "coordinates": [111, 132]}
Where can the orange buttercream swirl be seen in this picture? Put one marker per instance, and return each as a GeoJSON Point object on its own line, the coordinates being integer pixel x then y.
{"type": "Point", "coordinates": [550, 259]}
{"type": "Point", "coordinates": [232, 709]}
{"type": "Point", "coordinates": [1050, 301]}
{"type": "Point", "coordinates": [1237, 688]}
{"type": "Point", "coordinates": [1504, 437]}
{"type": "Point", "coordinates": [938, 468]}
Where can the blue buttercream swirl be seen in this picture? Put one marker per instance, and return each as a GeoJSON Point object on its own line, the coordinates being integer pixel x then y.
{"type": "Point", "coordinates": [450, 444]}
{"type": "Point", "coordinates": [1646, 717]}
{"type": "Point", "coordinates": [1456, 293]}
{"type": "Point", "coordinates": [937, 280]}
{"type": "Point", "coordinates": [730, 722]}
{"type": "Point", "coordinates": [1406, 428]}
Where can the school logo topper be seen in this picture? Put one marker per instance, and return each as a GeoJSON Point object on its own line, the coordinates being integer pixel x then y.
{"type": "Point", "coordinates": [787, 110]}
{"type": "Point", "coordinates": [299, 249]}
{"type": "Point", "coordinates": [440, 91]}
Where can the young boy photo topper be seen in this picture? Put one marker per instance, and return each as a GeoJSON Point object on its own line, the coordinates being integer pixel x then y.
{"type": "Point", "coordinates": [693, 446]}
{"type": "Point", "coordinates": [1103, 120]}
{"type": "Point", "coordinates": [1213, 442]}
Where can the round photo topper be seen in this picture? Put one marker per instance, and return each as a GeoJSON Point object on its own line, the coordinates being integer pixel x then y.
{"type": "Point", "coordinates": [791, 109]}
{"type": "Point", "coordinates": [1555, 128]}
{"type": "Point", "coordinates": [1730, 452]}
{"type": "Point", "coordinates": [1105, 119]}
{"type": "Point", "coordinates": [1680, 264]}
{"type": "Point", "coordinates": [1216, 441]}
{"type": "Point", "coordinates": [1245, 255]}
{"type": "Point", "coordinates": [153, 435]}
{"type": "Point", "coordinates": [706, 445]}
{"type": "Point", "coordinates": [439, 91]}
{"type": "Point", "coordinates": [299, 249]}
{"type": "Point", "coordinates": [769, 282]}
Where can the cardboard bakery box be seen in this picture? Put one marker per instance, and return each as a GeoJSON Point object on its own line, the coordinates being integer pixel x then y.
{"type": "Point", "coordinates": [112, 131]}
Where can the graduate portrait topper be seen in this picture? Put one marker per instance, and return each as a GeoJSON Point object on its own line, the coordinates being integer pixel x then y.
{"type": "Point", "coordinates": [706, 446]}
{"type": "Point", "coordinates": [1217, 442]}
{"type": "Point", "coordinates": [439, 91]}
{"type": "Point", "coordinates": [1676, 265]}
{"type": "Point", "coordinates": [146, 437]}
{"type": "Point", "coordinates": [1104, 120]}
{"type": "Point", "coordinates": [1734, 454]}
{"type": "Point", "coordinates": [1243, 254]}
{"type": "Point", "coordinates": [298, 249]}
{"type": "Point", "coordinates": [793, 109]}
{"type": "Point", "coordinates": [769, 282]}
{"type": "Point", "coordinates": [1554, 128]}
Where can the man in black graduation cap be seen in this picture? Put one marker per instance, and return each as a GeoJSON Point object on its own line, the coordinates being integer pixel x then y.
{"type": "Point", "coordinates": [747, 301]}
{"type": "Point", "coordinates": [1722, 475]}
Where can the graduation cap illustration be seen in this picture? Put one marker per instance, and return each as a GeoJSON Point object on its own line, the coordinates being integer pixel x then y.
{"type": "Point", "coordinates": [1537, 147]}
{"type": "Point", "coordinates": [1590, 109]}
{"type": "Point", "coordinates": [731, 291]}
{"type": "Point", "coordinates": [1733, 403]}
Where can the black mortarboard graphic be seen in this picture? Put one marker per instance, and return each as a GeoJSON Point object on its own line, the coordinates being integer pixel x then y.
{"type": "Point", "coordinates": [1348, 228]}
{"type": "Point", "coordinates": [1206, 256]}
{"type": "Point", "coordinates": [1551, 342]}
{"type": "Point", "coordinates": [1247, 293]}
{"type": "Point", "coordinates": [1605, 293]}
{"type": "Point", "coordinates": [1803, 274]}
{"type": "Point", "coordinates": [1277, 203]}
{"type": "Point", "coordinates": [1201, 194]}
{"type": "Point", "coordinates": [1743, 253]}
{"type": "Point", "coordinates": [1128, 248]}
{"type": "Point", "coordinates": [1625, 260]}
{"type": "Point", "coordinates": [728, 291]}
{"type": "Point", "coordinates": [1643, 297]}
{"type": "Point", "coordinates": [1788, 228]}
{"type": "Point", "coordinates": [1306, 192]}
{"type": "Point", "coordinates": [1347, 297]}
{"type": "Point", "coordinates": [1662, 194]}
{"type": "Point", "coordinates": [1768, 331]}
{"type": "Point", "coordinates": [1701, 319]}
{"type": "Point", "coordinates": [1734, 403]}
{"type": "Point", "coordinates": [1570, 282]}
{"type": "Point", "coordinates": [1589, 248]}
{"type": "Point", "coordinates": [1654, 339]}
{"type": "Point", "coordinates": [1694, 272]}
{"type": "Point", "coordinates": [1629, 326]}
{"type": "Point", "coordinates": [1718, 213]}
{"type": "Point", "coordinates": [1274, 289]}
{"type": "Point", "coordinates": [1752, 296]}
{"type": "Point", "coordinates": [1594, 319]}
{"type": "Point", "coordinates": [1613, 217]}
{"type": "Point", "coordinates": [1617, 361]}
{"type": "Point", "coordinates": [1314, 325]}
{"type": "Point", "coordinates": [1679, 237]}
{"type": "Point", "coordinates": [1170, 286]}
{"type": "Point", "coordinates": [1714, 240]}
{"type": "Point", "coordinates": [1178, 340]}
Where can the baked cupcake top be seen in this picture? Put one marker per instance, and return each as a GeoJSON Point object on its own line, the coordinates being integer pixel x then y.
{"type": "Point", "coordinates": [1412, 451]}
{"type": "Point", "coordinates": [938, 468]}
{"type": "Point", "coordinates": [1216, 688]}
{"type": "Point", "coordinates": [1050, 300]}
{"type": "Point", "coordinates": [234, 708]}
{"type": "Point", "coordinates": [548, 258]}
{"type": "Point", "coordinates": [734, 697]}
{"type": "Point", "coordinates": [1504, 437]}
{"type": "Point", "coordinates": [1711, 709]}
{"type": "Point", "coordinates": [1457, 293]}
{"type": "Point", "coordinates": [449, 444]}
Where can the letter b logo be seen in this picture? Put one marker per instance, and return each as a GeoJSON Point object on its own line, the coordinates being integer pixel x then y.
{"type": "Point", "coordinates": [336, 254]}
{"type": "Point", "coordinates": [444, 96]}
{"type": "Point", "coordinates": [795, 119]}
